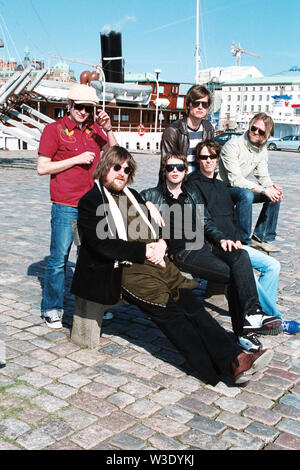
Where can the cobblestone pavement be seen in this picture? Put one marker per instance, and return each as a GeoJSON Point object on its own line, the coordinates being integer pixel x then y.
{"type": "Point", "coordinates": [133, 392]}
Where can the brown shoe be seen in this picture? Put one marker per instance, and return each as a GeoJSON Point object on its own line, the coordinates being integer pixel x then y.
{"type": "Point", "coordinates": [264, 246]}
{"type": "Point", "coordinates": [249, 363]}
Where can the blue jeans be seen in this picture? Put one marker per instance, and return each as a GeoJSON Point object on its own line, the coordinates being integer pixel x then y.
{"type": "Point", "coordinates": [265, 228]}
{"type": "Point", "coordinates": [61, 241]}
{"type": "Point", "coordinates": [267, 284]}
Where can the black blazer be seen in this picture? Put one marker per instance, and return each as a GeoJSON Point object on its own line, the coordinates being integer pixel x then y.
{"type": "Point", "coordinates": [96, 277]}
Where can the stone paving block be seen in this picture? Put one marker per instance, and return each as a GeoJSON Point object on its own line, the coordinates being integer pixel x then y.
{"type": "Point", "coordinates": [21, 346]}
{"type": "Point", "coordinates": [242, 440]}
{"type": "Point", "coordinates": [267, 417]}
{"type": "Point", "coordinates": [131, 368]}
{"type": "Point", "coordinates": [31, 415]}
{"type": "Point", "coordinates": [292, 400]}
{"type": "Point", "coordinates": [276, 382]}
{"type": "Point", "coordinates": [65, 364]}
{"type": "Point", "coordinates": [255, 400]}
{"type": "Point", "coordinates": [117, 422]}
{"type": "Point", "coordinates": [56, 428]}
{"type": "Point", "coordinates": [91, 436]}
{"type": "Point", "coordinates": [264, 390]}
{"type": "Point", "coordinates": [41, 343]}
{"type": "Point", "coordinates": [284, 374]}
{"type": "Point", "coordinates": [20, 324]}
{"type": "Point", "coordinates": [288, 441]}
{"type": "Point", "coordinates": [261, 431]}
{"type": "Point", "coordinates": [206, 396]}
{"type": "Point", "coordinates": [233, 405]}
{"type": "Point", "coordinates": [287, 411]}
{"type": "Point", "coordinates": [35, 379]}
{"type": "Point", "coordinates": [223, 389]}
{"type": "Point", "coordinates": [87, 357]}
{"type": "Point", "coordinates": [74, 380]}
{"type": "Point", "coordinates": [49, 371]}
{"type": "Point", "coordinates": [177, 413]}
{"type": "Point", "coordinates": [113, 349]}
{"type": "Point", "coordinates": [64, 349]}
{"type": "Point", "coordinates": [135, 389]}
{"type": "Point", "coordinates": [98, 390]}
{"type": "Point", "coordinates": [199, 440]}
{"type": "Point", "coordinates": [166, 397]}
{"type": "Point", "coordinates": [13, 428]}
{"type": "Point", "coordinates": [7, 446]}
{"type": "Point", "coordinates": [35, 440]}
{"type": "Point", "coordinates": [87, 371]}
{"type": "Point", "coordinates": [60, 390]}
{"type": "Point", "coordinates": [64, 444]}
{"type": "Point", "coordinates": [142, 408]}
{"type": "Point", "coordinates": [141, 432]}
{"type": "Point", "coordinates": [232, 420]}
{"type": "Point", "coordinates": [125, 442]}
{"type": "Point", "coordinates": [164, 425]}
{"type": "Point", "coordinates": [77, 419]}
{"type": "Point", "coordinates": [121, 399]}
{"type": "Point", "coordinates": [91, 404]}
{"type": "Point", "coordinates": [42, 355]}
{"type": "Point", "coordinates": [23, 391]}
{"type": "Point", "coordinates": [111, 380]}
{"type": "Point", "coordinates": [206, 425]}
{"type": "Point", "coordinates": [162, 442]}
{"type": "Point", "coordinates": [169, 369]}
{"type": "Point", "coordinates": [289, 426]}
{"type": "Point", "coordinates": [196, 406]}
{"type": "Point", "coordinates": [49, 403]}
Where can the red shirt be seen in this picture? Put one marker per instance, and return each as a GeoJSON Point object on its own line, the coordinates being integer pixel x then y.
{"type": "Point", "coordinates": [64, 139]}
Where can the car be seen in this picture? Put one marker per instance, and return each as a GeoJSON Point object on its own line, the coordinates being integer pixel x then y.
{"type": "Point", "coordinates": [225, 136]}
{"type": "Point", "coordinates": [290, 142]}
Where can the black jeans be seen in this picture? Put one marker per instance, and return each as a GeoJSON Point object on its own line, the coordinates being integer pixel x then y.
{"type": "Point", "coordinates": [206, 346]}
{"type": "Point", "coordinates": [231, 267]}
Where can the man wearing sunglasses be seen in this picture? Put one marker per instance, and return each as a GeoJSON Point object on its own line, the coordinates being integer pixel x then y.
{"type": "Point", "coordinates": [241, 156]}
{"type": "Point", "coordinates": [218, 260]}
{"type": "Point", "coordinates": [120, 253]}
{"type": "Point", "coordinates": [182, 135]}
{"type": "Point", "coordinates": [69, 152]}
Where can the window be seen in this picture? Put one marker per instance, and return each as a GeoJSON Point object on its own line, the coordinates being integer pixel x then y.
{"type": "Point", "coordinates": [245, 108]}
{"type": "Point", "coordinates": [260, 98]}
{"type": "Point", "coordinates": [253, 97]}
{"type": "Point", "coordinates": [58, 113]}
{"type": "Point", "coordinates": [228, 107]}
{"type": "Point", "coordinates": [229, 97]}
{"type": "Point", "coordinates": [268, 97]}
{"type": "Point", "coordinates": [267, 108]}
{"type": "Point", "coordinates": [238, 97]}
{"type": "Point", "coordinates": [252, 107]}
{"type": "Point", "coordinates": [161, 89]}
{"type": "Point", "coordinates": [245, 97]}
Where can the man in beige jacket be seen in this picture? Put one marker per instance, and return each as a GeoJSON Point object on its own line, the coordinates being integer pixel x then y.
{"type": "Point", "coordinates": [240, 157]}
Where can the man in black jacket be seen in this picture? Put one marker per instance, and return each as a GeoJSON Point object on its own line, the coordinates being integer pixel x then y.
{"type": "Point", "coordinates": [119, 253]}
{"type": "Point", "coordinates": [220, 260]}
{"type": "Point", "coordinates": [182, 135]}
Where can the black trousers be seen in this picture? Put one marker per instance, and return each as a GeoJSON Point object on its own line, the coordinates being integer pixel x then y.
{"type": "Point", "coordinates": [229, 267]}
{"type": "Point", "coordinates": [207, 347]}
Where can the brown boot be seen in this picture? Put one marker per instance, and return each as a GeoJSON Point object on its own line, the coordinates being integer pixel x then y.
{"type": "Point", "coordinates": [249, 363]}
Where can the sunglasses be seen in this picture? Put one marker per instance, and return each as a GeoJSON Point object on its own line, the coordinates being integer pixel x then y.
{"type": "Point", "coordinates": [127, 169]}
{"type": "Point", "coordinates": [205, 157]}
{"type": "Point", "coordinates": [204, 104]}
{"type": "Point", "coordinates": [260, 131]}
{"type": "Point", "coordinates": [179, 166]}
{"type": "Point", "coordinates": [80, 107]}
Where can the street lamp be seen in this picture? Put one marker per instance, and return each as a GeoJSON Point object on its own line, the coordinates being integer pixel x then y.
{"type": "Point", "coordinates": [157, 72]}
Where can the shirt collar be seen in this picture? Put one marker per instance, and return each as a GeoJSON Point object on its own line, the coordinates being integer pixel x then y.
{"type": "Point", "coordinates": [71, 125]}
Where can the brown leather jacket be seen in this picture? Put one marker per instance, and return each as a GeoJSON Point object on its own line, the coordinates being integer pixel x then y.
{"type": "Point", "coordinates": [175, 137]}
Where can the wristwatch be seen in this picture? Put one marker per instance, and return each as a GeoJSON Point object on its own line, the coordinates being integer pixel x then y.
{"type": "Point", "coordinates": [264, 190]}
{"type": "Point", "coordinates": [110, 129]}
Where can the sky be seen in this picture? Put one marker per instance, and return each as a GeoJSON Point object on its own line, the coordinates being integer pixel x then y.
{"type": "Point", "coordinates": [158, 34]}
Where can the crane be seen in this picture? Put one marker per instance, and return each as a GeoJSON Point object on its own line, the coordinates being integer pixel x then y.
{"type": "Point", "coordinates": [237, 51]}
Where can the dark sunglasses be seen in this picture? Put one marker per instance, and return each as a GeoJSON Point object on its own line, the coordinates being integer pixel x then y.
{"type": "Point", "coordinates": [117, 167]}
{"type": "Point", "coordinates": [179, 166]}
{"type": "Point", "coordinates": [80, 107]}
{"type": "Point", "coordinates": [204, 104]}
{"type": "Point", "coordinates": [260, 131]}
{"type": "Point", "coordinates": [205, 157]}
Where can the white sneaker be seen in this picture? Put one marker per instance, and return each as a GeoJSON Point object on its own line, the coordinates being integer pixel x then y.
{"type": "Point", "coordinates": [53, 318]}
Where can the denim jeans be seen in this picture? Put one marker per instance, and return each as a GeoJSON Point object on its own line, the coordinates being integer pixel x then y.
{"type": "Point", "coordinates": [61, 241]}
{"type": "Point", "coordinates": [267, 284]}
{"type": "Point", "coordinates": [265, 228]}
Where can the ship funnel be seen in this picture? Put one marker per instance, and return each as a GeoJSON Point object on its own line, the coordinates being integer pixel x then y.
{"type": "Point", "coordinates": [112, 60]}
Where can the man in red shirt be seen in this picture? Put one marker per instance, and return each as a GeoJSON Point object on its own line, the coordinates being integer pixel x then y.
{"type": "Point", "coordinates": [69, 152]}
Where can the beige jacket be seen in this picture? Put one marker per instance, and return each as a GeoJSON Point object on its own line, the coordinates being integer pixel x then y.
{"type": "Point", "coordinates": [239, 159]}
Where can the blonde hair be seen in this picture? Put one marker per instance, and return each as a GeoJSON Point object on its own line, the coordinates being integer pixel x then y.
{"type": "Point", "coordinates": [268, 123]}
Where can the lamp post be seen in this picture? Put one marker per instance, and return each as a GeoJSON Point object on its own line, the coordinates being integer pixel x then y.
{"type": "Point", "coordinates": [157, 72]}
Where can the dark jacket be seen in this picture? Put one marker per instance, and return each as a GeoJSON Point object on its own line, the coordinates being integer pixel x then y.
{"type": "Point", "coordinates": [97, 276]}
{"type": "Point", "coordinates": [158, 196]}
{"type": "Point", "coordinates": [175, 137]}
{"type": "Point", "coordinates": [218, 202]}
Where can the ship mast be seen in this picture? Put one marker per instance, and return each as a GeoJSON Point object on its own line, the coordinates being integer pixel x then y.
{"type": "Point", "coordinates": [197, 43]}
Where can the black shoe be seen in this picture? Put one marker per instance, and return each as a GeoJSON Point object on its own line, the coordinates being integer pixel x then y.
{"type": "Point", "coordinates": [262, 324]}
{"type": "Point", "coordinates": [250, 342]}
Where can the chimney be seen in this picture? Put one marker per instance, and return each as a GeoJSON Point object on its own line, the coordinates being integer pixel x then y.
{"type": "Point", "coordinates": [112, 60]}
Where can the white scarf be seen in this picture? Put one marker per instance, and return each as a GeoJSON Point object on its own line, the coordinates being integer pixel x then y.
{"type": "Point", "coordinates": [117, 216]}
